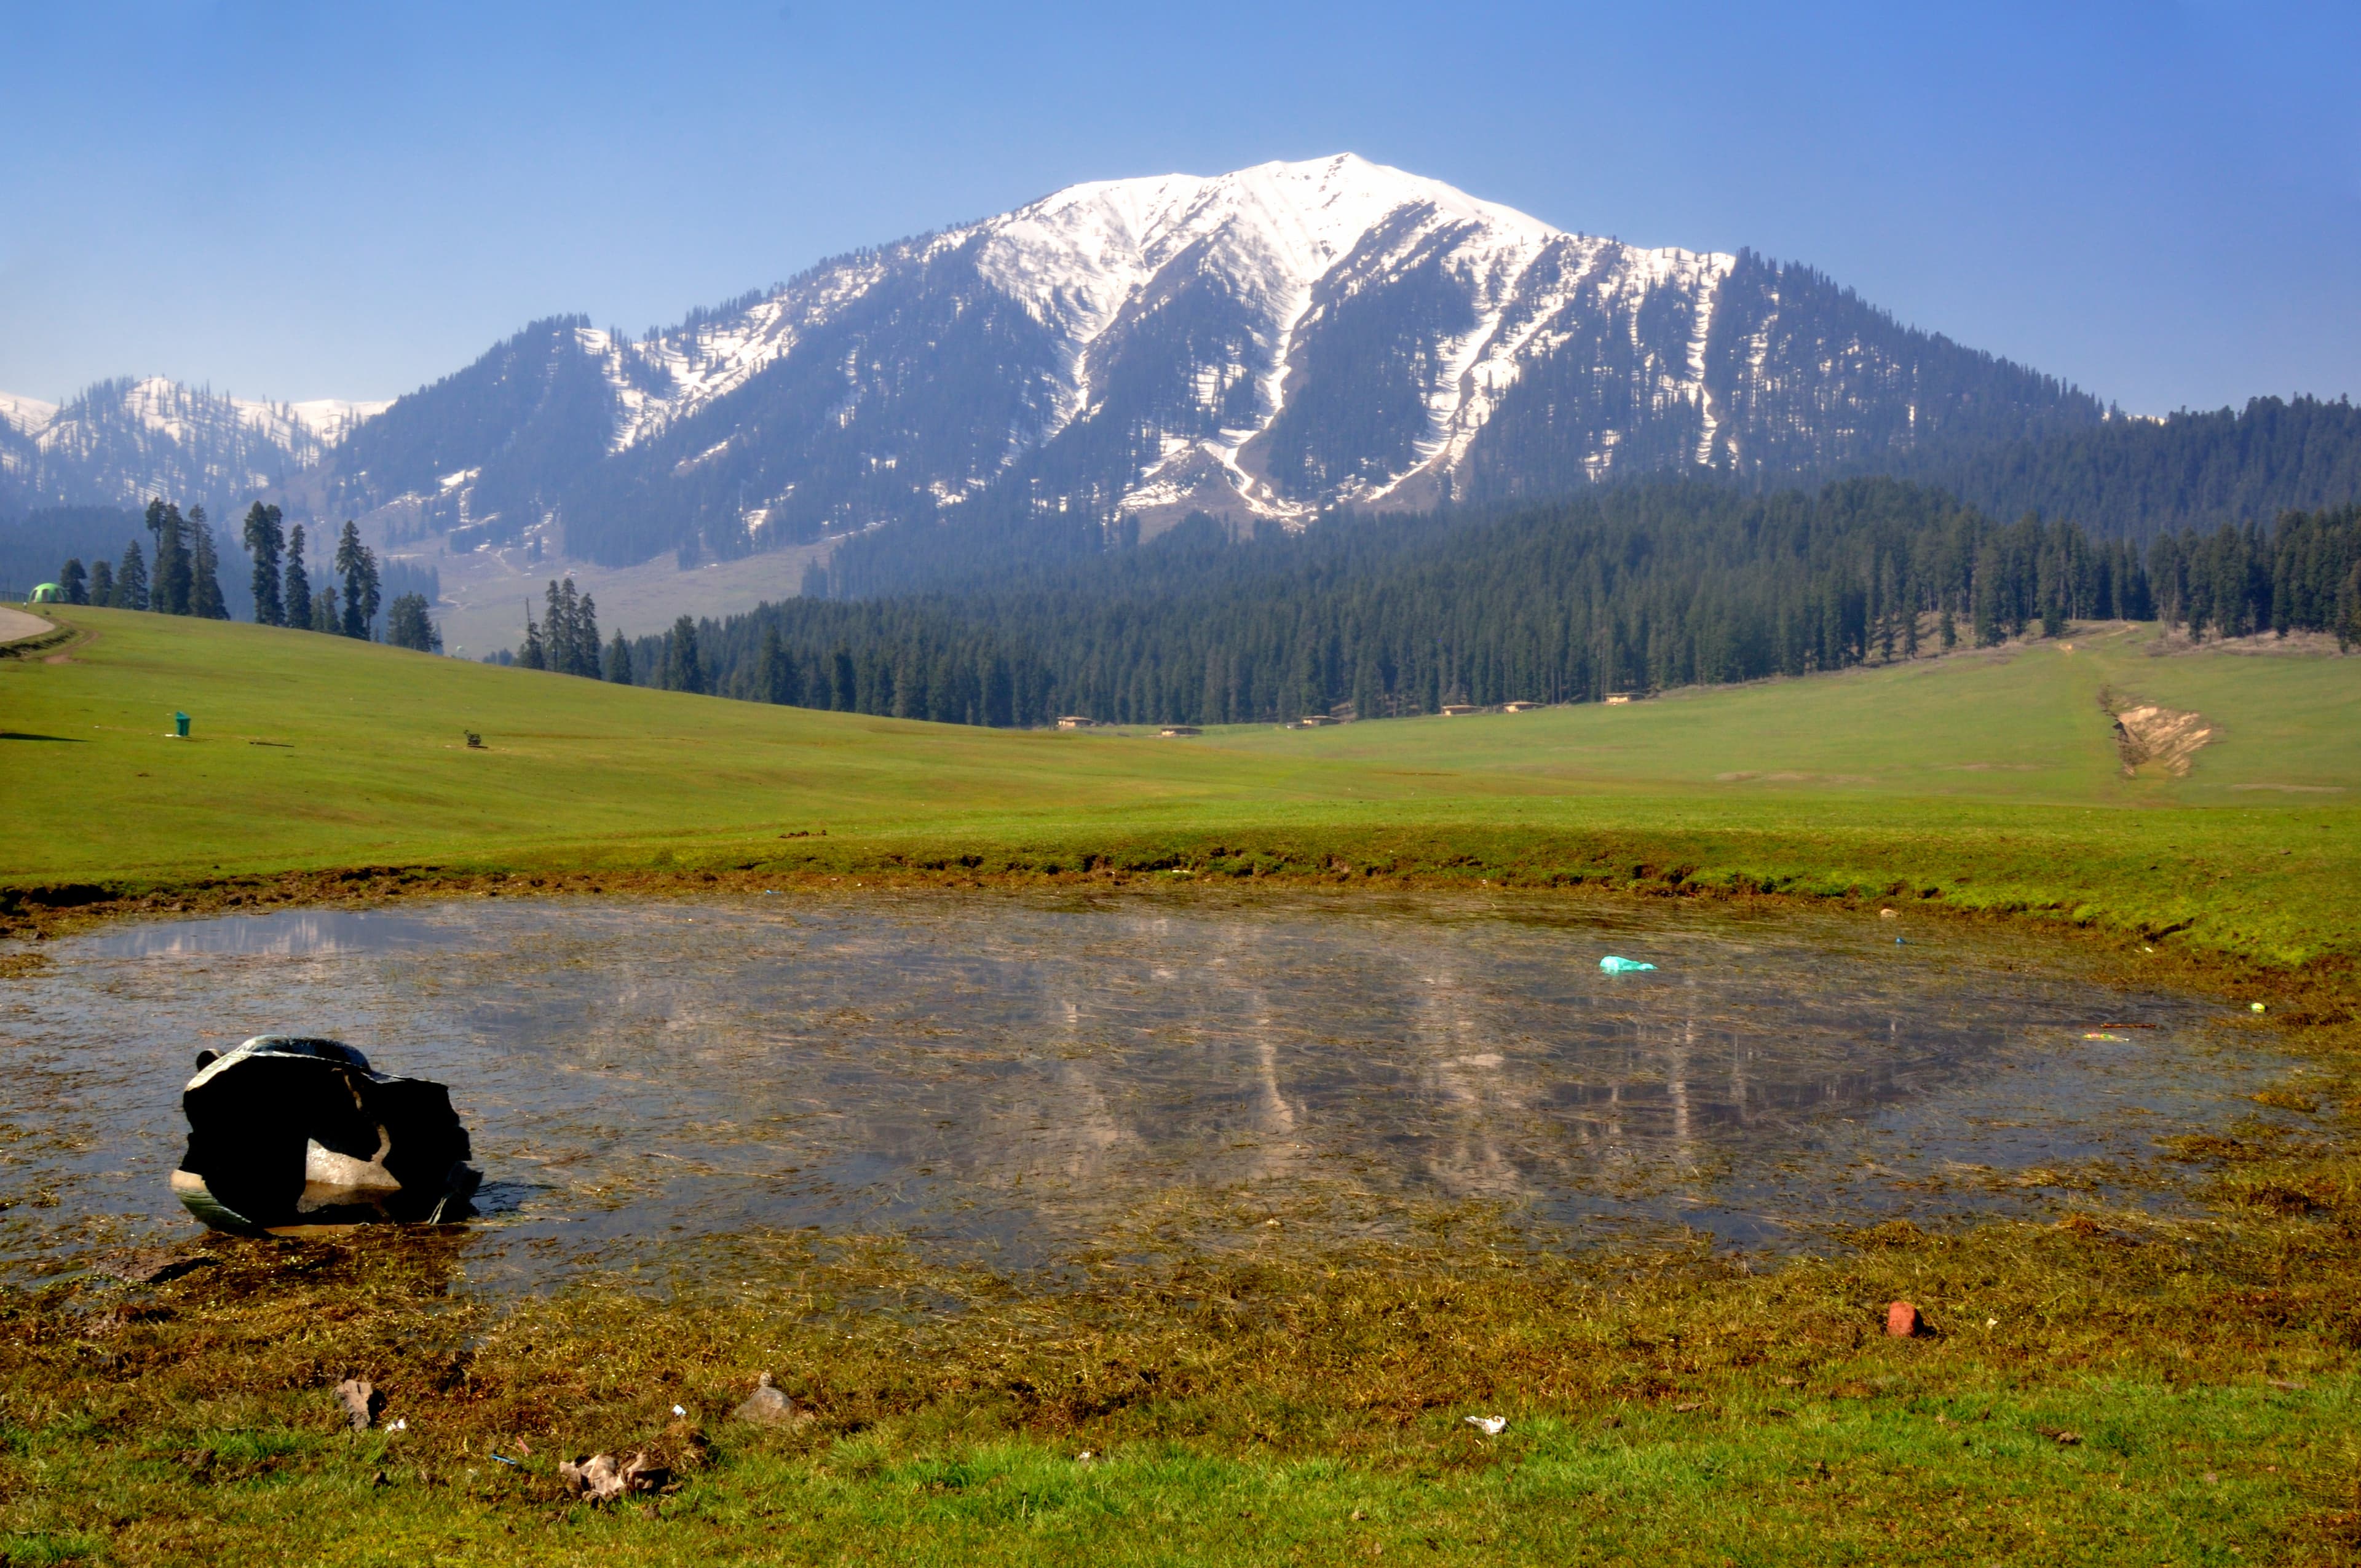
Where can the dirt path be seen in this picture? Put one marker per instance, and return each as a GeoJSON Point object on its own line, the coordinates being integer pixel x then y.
{"type": "Point", "coordinates": [16, 625]}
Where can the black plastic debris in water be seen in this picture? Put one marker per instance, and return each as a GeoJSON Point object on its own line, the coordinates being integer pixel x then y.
{"type": "Point", "coordinates": [286, 1132]}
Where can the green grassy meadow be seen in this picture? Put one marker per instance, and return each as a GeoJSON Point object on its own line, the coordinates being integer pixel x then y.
{"type": "Point", "coordinates": [2115, 1388]}
{"type": "Point", "coordinates": [1990, 779]}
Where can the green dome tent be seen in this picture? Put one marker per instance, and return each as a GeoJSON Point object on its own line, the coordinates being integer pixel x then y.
{"type": "Point", "coordinates": [48, 592]}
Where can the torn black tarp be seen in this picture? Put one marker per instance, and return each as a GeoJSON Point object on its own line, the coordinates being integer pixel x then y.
{"type": "Point", "coordinates": [284, 1131]}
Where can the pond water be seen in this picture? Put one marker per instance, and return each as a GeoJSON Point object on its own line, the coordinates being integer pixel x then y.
{"type": "Point", "coordinates": [1012, 1078]}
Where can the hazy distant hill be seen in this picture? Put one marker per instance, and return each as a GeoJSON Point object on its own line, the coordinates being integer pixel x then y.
{"type": "Point", "coordinates": [2138, 479]}
{"type": "Point", "coordinates": [120, 442]}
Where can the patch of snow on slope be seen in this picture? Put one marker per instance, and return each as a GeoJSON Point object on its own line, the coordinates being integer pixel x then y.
{"type": "Point", "coordinates": [1075, 259]}
{"type": "Point", "coordinates": [29, 416]}
{"type": "Point", "coordinates": [333, 419]}
{"type": "Point", "coordinates": [692, 367]}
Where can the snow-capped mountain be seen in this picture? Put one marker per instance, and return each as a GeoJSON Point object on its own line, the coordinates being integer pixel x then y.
{"type": "Point", "coordinates": [121, 441]}
{"type": "Point", "coordinates": [1260, 344]}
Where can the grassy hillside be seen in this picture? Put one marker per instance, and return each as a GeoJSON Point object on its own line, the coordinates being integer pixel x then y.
{"type": "Point", "coordinates": [1990, 780]}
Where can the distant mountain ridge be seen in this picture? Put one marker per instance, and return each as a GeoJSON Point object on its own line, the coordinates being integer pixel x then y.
{"type": "Point", "coordinates": [121, 441]}
{"type": "Point", "coordinates": [1260, 345]}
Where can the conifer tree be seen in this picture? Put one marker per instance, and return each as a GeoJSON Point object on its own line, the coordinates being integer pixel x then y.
{"type": "Point", "coordinates": [131, 579]}
{"type": "Point", "coordinates": [168, 592]}
{"type": "Point", "coordinates": [585, 639]}
{"type": "Point", "coordinates": [102, 582]}
{"type": "Point", "coordinates": [407, 626]}
{"type": "Point", "coordinates": [295, 598]}
{"type": "Point", "coordinates": [683, 670]}
{"type": "Point", "coordinates": [265, 541]}
{"type": "Point", "coordinates": [206, 600]}
{"type": "Point", "coordinates": [357, 563]}
{"type": "Point", "coordinates": [532, 656]}
{"type": "Point", "coordinates": [619, 660]}
{"type": "Point", "coordinates": [772, 668]}
{"type": "Point", "coordinates": [75, 582]}
{"type": "Point", "coordinates": [844, 681]}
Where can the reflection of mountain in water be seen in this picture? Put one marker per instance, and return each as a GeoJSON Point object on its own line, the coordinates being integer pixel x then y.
{"type": "Point", "coordinates": [1066, 1064]}
{"type": "Point", "coordinates": [1024, 1075]}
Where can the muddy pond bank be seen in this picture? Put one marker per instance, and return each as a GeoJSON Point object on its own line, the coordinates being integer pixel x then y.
{"type": "Point", "coordinates": [1011, 1080]}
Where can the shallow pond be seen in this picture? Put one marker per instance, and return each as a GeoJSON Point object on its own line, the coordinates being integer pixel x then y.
{"type": "Point", "coordinates": [1011, 1080]}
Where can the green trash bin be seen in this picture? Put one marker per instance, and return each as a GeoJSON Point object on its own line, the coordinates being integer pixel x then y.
{"type": "Point", "coordinates": [180, 726]}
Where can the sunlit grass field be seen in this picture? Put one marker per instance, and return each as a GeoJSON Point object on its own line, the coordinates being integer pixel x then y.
{"type": "Point", "coordinates": [1990, 779]}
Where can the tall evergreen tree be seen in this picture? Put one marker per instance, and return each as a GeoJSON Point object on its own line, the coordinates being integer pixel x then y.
{"type": "Point", "coordinates": [777, 675]}
{"type": "Point", "coordinates": [619, 660]}
{"type": "Point", "coordinates": [102, 583]}
{"type": "Point", "coordinates": [168, 591]}
{"type": "Point", "coordinates": [206, 600]}
{"type": "Point", "coordinates": [295, 598]}
{"type": "Point", "coordinates": [407, 626]}
{"type": "Point", "coordinates": [265, 542]}
{"type": "Point", "coordinates": [357, 565]}
{"type": "Point", "coordinates": [558, 627]}
{"type": "Point", "coordinates": [131, 579]}
{"type": "Point", "coordinates": [684, 670]}
{"type": "Point", "coordinates": [533, 655]}
{"type": "Point", "coordinates": [75, 582]}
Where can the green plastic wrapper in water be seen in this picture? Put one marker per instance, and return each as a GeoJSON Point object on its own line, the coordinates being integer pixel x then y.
{"type": "Point", "coordinates": [1614, 965]}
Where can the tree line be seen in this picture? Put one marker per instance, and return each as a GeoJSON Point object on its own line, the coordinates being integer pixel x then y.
{"type": "Point", "coordinates": [1639, 589]}
{"type": "Point", "coordinates": [2138, 478]}
{"type": "Point", "coordinates": [186, 576]}
{"type": "Point", "coordinates": [185, 579]}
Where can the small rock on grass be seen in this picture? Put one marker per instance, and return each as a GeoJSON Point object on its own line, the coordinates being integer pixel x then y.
{"type": "Point", "coordinates": [766, 1406]}
{"type": "Point", "coordinates": [1902, 1321]}
{"type": "Point", "coordinates": [361, 1401]}
{"type": "Point", "coordinates": [602, 1479]}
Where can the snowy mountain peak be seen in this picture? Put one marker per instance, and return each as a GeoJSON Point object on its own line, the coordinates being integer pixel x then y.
{"type": "Point", "coordinates": [1292, 222]}
{"type": "Point", "coordinates": [1075, 258]}
{"type": "Point", "coordinates": [1266, 344]}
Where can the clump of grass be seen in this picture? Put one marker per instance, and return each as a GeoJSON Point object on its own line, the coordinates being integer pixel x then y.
{"type": "Point", "coordinates": [1251, 1403]}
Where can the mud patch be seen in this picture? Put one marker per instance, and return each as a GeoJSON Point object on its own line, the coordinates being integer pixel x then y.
{"type": "Point", "coordinates": [2149, 734]}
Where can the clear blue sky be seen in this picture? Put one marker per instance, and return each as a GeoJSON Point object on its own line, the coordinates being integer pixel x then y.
{"type": "Point", "coordinates": [2160, 201]}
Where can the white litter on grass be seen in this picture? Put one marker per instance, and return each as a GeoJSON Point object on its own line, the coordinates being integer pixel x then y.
{"type": "Point", "coordinates": [1490, 1426]}
{"type": "Point", "coordinates": [402, 1425]}
{"type": "Point", "coordinates": [1992, 1322]}
{"type": "Point", "coordinates": [679, 1411]}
